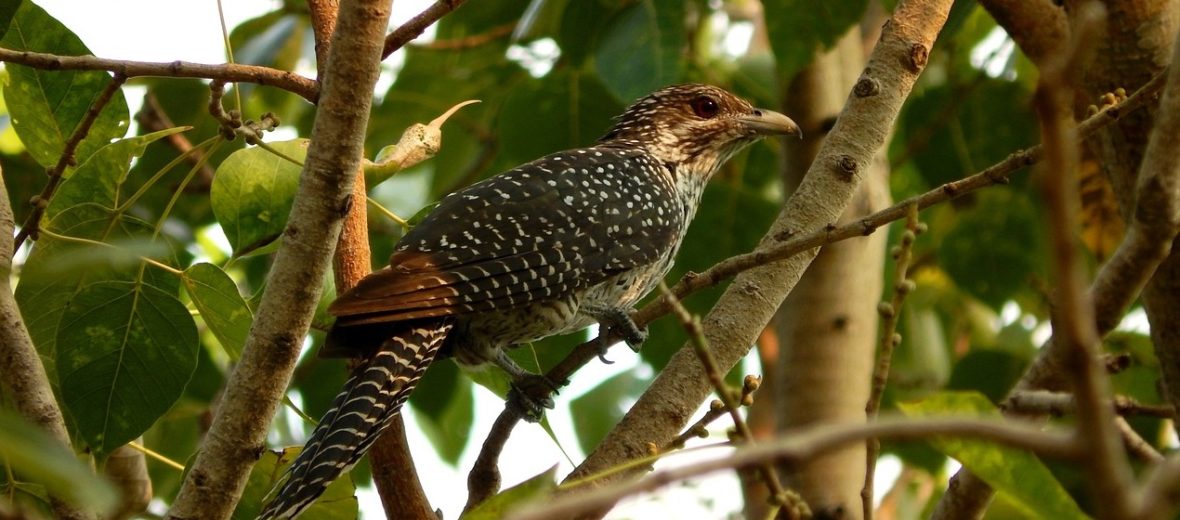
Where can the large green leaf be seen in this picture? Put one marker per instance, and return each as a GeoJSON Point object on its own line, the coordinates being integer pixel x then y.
{"type": "Point", "coordinates": [1015, 473]}
{"type": "Point", "coordinates": [955, 131]}
{"type": "Point", "coordinates": [57, 270]}
{"type": "Point", "coordinates": [565, 109]}
{"type": "Point", "coordinates": [337, 503]}
{"type": "Point", "coordinates": [253, 191]}
{"type": "Point", "coordinates": [221, 305]}
{"type": "Point", "coordinates": [125, 352]}
{"type": "Point", "coordinates": [99, 179]}
{"type": "Point", "coordinates": [39, 459]}
{"type": "Point", "coordinates": [512, 498]}
{"type": "Point", "coordinates": [994, 248]}
{"type": "Point", "coordinates": [641, 50]}
{"type": "Point", "coordinates": [46, 106]}
{"type": "Point", "coordinates": [799, 28]}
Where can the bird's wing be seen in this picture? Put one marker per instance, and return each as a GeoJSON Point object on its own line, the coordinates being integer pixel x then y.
{"type": "Point", "coordinates": [563, 222]}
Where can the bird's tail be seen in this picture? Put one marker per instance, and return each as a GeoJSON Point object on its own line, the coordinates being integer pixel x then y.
{"type": "Point", "coordinates": [371, 397]}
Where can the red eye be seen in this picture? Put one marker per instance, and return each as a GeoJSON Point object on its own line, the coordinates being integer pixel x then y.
{"type": "Point", "coordinates": [705, 107]}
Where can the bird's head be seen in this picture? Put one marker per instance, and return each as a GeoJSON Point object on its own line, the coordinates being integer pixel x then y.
{"type": "Point", "coordinates": [694, 127]}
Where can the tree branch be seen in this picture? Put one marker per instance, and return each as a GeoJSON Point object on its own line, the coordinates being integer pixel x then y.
{"type": "Point", "coordinates": [806, 444]}
{"type": "Point", "coordinates": [323, 23]}
{"type": "Point", "coordinates": [237, 437]}
{"type": "Point", "coordinates": [67, 159]}
{"type": "Point", "coordinates": [25, 380]}
{"type": "Point", "coordinates": [414, 27]}
{"type": "Point", "coordinates": [1039, 27]}
{"type": "Point", "coordinates": [229, 72]}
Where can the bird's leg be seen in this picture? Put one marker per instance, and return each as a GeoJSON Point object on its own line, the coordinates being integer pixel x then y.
{"type": "Point", "coordinates": [618, 320]}
{"type": "Point", "coordinates": [531, 393]}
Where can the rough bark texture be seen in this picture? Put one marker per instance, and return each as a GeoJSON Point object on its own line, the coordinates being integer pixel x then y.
{"type": "Point", "coordinates": [749, 303]}
{"type": "Point", "coordinates": [25, 381]}
{"type": "Point", "coordinates": [237, 437]}
{"type": "Point", "coordinates": [828, 323]}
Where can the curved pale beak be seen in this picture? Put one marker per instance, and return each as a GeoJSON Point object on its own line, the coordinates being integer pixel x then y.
{"type": "Point", "coordinates": [768, 122]}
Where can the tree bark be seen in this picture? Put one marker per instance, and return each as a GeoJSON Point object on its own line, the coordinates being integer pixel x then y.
{"type": "Point", "coordinates": [25, 381]}
{"type": "Point", "coordinates": [828, 324]}
{"type": "Point", "coordinates": [214, 482]}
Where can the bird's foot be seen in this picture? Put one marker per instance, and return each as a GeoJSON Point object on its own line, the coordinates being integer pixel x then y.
{"type": "Point", "coordinates": [531, 395]}
{"type": "Point", "coordinates": [618, 320]}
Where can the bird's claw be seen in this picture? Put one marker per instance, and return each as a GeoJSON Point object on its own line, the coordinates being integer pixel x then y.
{"type": "Point", "coordinates": [531, 395]}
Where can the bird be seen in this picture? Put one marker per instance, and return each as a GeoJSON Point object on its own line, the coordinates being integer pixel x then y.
{"type": "Point", "coordinates": [550, 247]}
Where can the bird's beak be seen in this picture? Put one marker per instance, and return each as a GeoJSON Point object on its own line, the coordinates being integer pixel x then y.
{"type": "Point", "coordinates": [768, 122]}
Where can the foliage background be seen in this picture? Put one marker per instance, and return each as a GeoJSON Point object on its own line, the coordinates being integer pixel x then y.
{"type": "Point", "coordinates": [550, 73]}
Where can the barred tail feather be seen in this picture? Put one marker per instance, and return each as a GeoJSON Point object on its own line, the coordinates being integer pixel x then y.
{"type": "Point", "coordinates": [371, 397]}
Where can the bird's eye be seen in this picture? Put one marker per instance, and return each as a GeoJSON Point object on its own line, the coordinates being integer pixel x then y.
{"type": "Point", "coordinates": [705, 107]}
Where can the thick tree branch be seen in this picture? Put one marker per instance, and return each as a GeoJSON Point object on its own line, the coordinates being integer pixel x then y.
{"type": "Point", "coordinates": [1039, 27]}
{"type": "Point", "coordinates": [806, 444]}
{"type": "Point", "coordinates": [748, 304]}
{"type": "Point", "coordinates": [229, 72]}
{"type": "Point", "coordinates": [237, 437]}
{"type": "Point", "coordinates": [25, 381]}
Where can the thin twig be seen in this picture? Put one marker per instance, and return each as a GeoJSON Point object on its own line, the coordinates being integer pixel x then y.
{"type": "Point", "coordinates": [286, 80]}
{"type": "Point", "coordinates": [809, 443]}
{"type": "Point", "coordinates": [484, 479]}
{"type": "Point", "coordinates": [779, 497]}
{"type": "Point", "coordinates": [889, 339]}
{"type": "Point", "coordinates": [67, 159]}
{"type": "Point", "coordinates": [1108, 470]}
{"type": "Point", "coordinates": [1058, 404]}
{"type": "Point", "coordinates": [416, 25]}
{"type": "Point", "coordinates": [1136, 444]}
{"type": "Point", "coordinates": [153, 118]}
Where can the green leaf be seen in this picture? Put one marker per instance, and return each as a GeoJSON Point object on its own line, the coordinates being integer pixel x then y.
{"type": "Point", "coordinates": [446, 409]}
{"type": "Point", "coordinates": [596, 412]}
{"type": "Point", "coordinates": [958, 130]}
{"type": "Point", "coordinates": [640, 51]}
{"type": "Point", "coordinates": [99, 179]}
{"type": "Point", "coordinates": [125, 352]}
{"type": "Point", "coordinates": [565, 109]}
{"type": "Point", "coordinates": [46, 106]}
{"type": "Point", "coordinates": [529, 491]}
{"type": "Point", "coordinates": [37, 458]}
{"type": "Point", "coordinates": [57, 270]}
{"type": "Point", "coordinates": [993, 249]}
{"type": "Point", "coordinates": [252, 194]}
{"type": "Point", "coordinates": [1015, 473]}
{"type": "Point", "coordinates": [222, 307]}
{"type": "Point", "coordinates": [799, 28]}
{"type": "Point", "coordinates": [7, 11]}
{"type": "Point", "coordinates": [337, 503]}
